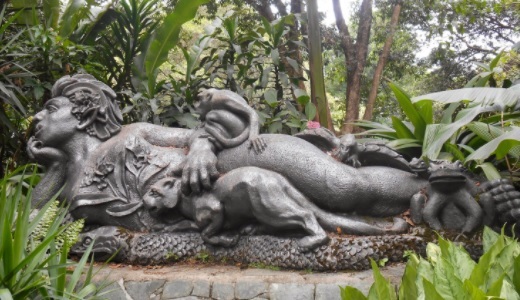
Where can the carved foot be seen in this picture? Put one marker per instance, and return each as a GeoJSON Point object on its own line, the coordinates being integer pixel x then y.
{"type": "Point", "coordinates": [310, 242]}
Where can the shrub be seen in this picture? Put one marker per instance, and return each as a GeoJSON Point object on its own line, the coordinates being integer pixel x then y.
{"type": "Point", "coordinates": [448, 272]}
{"type": "Point", "coordinates": [34, 249]}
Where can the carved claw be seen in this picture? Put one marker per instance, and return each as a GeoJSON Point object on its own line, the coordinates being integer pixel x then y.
{"type": "Point", "coordinates": [500, 201]}
{"type": "Point", "coordinates": [258, 144]}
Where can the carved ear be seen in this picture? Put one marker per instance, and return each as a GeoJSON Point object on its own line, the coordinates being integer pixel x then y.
{"type": "Point", "coordinates": [171, 192]}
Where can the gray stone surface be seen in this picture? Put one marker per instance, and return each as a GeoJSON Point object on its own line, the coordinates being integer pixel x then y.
{"type": "Point", "coordinates": [283, 291]}
{"type": "Point", "coordinates": [142, 290]}
{"type": "Point", "coordinates": [177, 289]}
{"type": "Point", "coordinates": [251, 289]}
{"type": "Point", "coordinates": [233, 283]}
{"type": "Point", "coordinates": [327, 292]}
{"type": "Point", "coordinates": [201, 288]}
{"type": "Point", "coordinates": [115, 292]}
{"type": "Point", "coordinates": [223, 291]}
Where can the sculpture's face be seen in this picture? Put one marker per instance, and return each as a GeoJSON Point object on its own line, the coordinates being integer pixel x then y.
{"type": "Point", "coordinates": [55, 124]}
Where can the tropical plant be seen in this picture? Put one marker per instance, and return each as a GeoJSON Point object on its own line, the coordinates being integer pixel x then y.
{"type": "Point", "coordinates": [249, 63]}
{"type": "Point", "coordinates": [448, 272]}
{"type": "Point", "coordinates": [33, 250]}
{"type": "Point", "coordinates": [477, 125]}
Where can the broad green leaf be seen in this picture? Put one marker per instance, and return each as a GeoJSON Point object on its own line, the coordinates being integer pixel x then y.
{"type": "Point", "coordinates": [502, 263]}
{"type": "Point", "coordinates": [382, 288]}
{"type": "Point", "coordinates": [167, 35]}
{"type": "Point", "coordinates": [301, 96]}
{"type": "Point", "coordinates": [433, 252]}
{"type": "Point", "coordinates": [479, 275]}
{"type": "Point", "coordinates": [438, 134]}
{"type": "Point", "coordinates": [447, 114]}
{"type": "Point", "coordinates": [51, 12]}
{"type": "Point", "coordinates": [5, 294]}
{"type": "Point", "coordinates": [351, 293]}
{"type": "Point", "coordinates": [404, 143]}
{"type": "Point", "coordinates": [458, 258]}
{"type": "Point", "coordinates": [408, 287]}
{"type": "Point", "coordinates": [490, 171]}
{"type": "Point", "coordinates": [71, 17]}
{"type": "Point", "coordinates": [310, 110]}
{"type": "Point", "coordinates": [508, 291]}
{"type": "Point", "coordinates": [487, 132]}
{"type": "Point", "coordinates": [499, 146]}
{"type": "Point", "coordinates": [475, 293]}
{"type": "Point", "coordinates": [446, 283]}
{"type": "Point", "coordinates": [425, 109]}
{"type": "Point", "coordinates": [271, 98]}
{"type": "Point", "coordinates": [430, 293]}
{"type": "Point", "coordinates": [496, 287]}
{"type": "Point", "coordinates": [410, 110]}
{"type": "Point", "coordinates": [481, 95]}
{"type": "Point", "coordinates": [516, 275]}
{"type": "Point", "coordinates": [495, 60]}
{"type": "Point", "coordinates": [489, 238]}
{"type": "Point", "coordinates": [402, 131]}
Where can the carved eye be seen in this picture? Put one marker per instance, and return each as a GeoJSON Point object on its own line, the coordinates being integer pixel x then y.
{"type": "Point", "coordinates": [87, 240]}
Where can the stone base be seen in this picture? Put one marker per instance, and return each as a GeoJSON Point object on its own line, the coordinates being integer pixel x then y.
{"type": "Point", "coordinates": [190, 282]}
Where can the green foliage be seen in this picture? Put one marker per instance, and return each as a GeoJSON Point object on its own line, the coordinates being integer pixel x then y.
{"type": "Point", "coordinates": [248, 61]}
{"type": "Point", "coordinates": [477, 125]}
{"type": "Point", "coordinates": [448, 272]}
{"type": "Point", "coordinates": [34, 249]}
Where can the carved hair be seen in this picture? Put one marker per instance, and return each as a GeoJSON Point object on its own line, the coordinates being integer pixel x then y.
{"type": "Point", "coordinates": [94, 103]}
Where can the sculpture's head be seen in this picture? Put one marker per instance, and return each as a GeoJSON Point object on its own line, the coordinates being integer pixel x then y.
{"type": "Point", "coordinates": [83, 103]}
{"type": "Point", "coordinates": [447, 176]}
{"type": "Point", "coordinates": [163, 196]}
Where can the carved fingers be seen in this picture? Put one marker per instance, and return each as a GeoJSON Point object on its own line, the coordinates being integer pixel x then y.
{"type": "Point", "coordinates": [501, 196]}
{"type": "Point", "coordinates": [258, 145]}
{"type": "Point", "coordinates": [43, 155]}
{"type": "Point", "coordinates": [198, 171]}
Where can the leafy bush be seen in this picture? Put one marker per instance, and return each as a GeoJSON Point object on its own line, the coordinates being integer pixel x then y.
{"type": "Point", "coordinates": [448, 272]}
{"type": "Point", "coordinates": [252, 61]}
{"type": "Point", "coordinates": [477, 125]}
{"type": "Point", "coordinates": [34, 249]}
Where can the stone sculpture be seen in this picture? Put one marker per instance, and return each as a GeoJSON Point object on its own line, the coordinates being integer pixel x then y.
{"type": "Point", "coordinates": [224, 179]}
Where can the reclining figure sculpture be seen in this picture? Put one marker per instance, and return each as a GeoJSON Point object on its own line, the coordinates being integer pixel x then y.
{"type": "Point", "coordinates": [224, 179]}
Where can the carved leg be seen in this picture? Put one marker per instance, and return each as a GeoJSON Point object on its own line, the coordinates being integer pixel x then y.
{"type": "Point", "coordinates": [317, 235]}
{"type": "Point", "coordinates": [471, 209]}
{"type": "Point", "coordinates": [209, 215]}
{"type": "Point", "coordinates": [417, 206]}
{"type": "Point", "coordinates": [432, 210]}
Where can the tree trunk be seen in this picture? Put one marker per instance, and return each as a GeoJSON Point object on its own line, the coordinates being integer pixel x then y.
{"type": "Point", "coordinates": [318, 95]}
{"type": "Point", "coordinates": [355, 58]}
{"type": "Point", "coordinates": [382, 62]}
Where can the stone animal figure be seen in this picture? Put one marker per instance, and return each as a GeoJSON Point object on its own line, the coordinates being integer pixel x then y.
{"type": "Point", "coordinates": [348, 151]}
{"type": "Point", "coordinates": [448, 185]}
{"type": "Point", "coordinates": [230, 120]}
{"type": "Point", "coordinates": [251, 195]}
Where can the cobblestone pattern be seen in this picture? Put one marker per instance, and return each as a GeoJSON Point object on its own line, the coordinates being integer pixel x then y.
{"type": "Point", "coordinates": [182, 289]}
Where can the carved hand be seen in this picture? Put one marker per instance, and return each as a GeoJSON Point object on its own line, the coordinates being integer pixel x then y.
{"type": "Point", "coordinates": [200, 167]}
{"type": "Point", "coordinates": [500, 200]}
{"type": "Point", "coordinates": [258, 144]}
{"type": "Point", "coordinates": [45, 156]}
